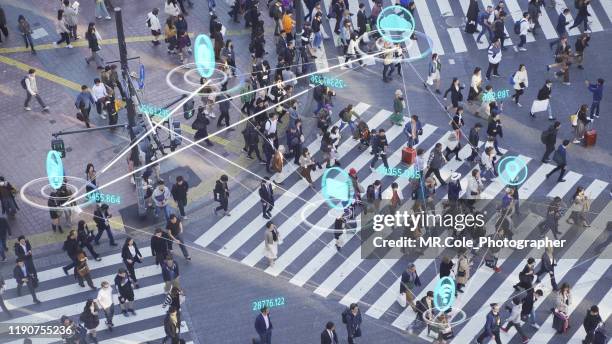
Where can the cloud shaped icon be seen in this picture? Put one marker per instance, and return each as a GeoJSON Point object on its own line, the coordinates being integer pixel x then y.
{"type": "Point", "coordinates": [394, 22]}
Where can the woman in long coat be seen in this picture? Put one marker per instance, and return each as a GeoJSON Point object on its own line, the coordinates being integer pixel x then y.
{"type": "Point", "coordinates": [399, 104]}
{"type": "Point", "coordinates": [463, 270]}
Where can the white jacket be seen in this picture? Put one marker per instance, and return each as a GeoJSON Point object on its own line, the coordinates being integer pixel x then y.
{"type": "Point", "coordinates": [524, 28]}
{"type": "Point", "coordinates": [520, 76]}
{"type": "Point", "coordinates": [476, 81]}
{"type": "Point", "coordinates": [495, 54]}
{"type": "Point", "coordinates": [351, 47]}
{"type": "Point", "coordinates": [155, 25]}
{"type": "Point", "coordinates": [105, 297]}
{"type": "Point", "coordinates": [171, 9]}
{"type": "Point", "coordinates": [487, 161]}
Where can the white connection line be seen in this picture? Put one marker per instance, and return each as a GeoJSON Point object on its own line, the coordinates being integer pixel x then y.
{"type": "Point", "coordinates": [188, 146]}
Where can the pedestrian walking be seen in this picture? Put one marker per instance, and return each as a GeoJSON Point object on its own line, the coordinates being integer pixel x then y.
{"type": "Point", "coordinates": [515, 320]}
{"type": "Point", "coordinates": [82, 272]}
{"type": "Point", "coordinates": [71, 17]}
{"type": "Point", "coordinates": [124, 284]}
{"type": "Point", "coordinates": [263, 326]}
{"type": "Point", "coordinates": [446, 267]}
{"type": "Point", "coordinates": [413, 129]}
{"type": "Point", "coordinates": [23, 250]}
{"type": "Point", "coordinates": [463, 269]}
{"type": "Point", "coordinates": [175, 233]}
{"type": "Point", "coordinates": [101, 218]}
{"type": "Point", "coordinates": [4, 229]}
{"type": "Point", "coordinates": [93, 42]}
{"type": "Point", "coordinates": [61, 27]}
{"type": "Point", "coordinates": [388, 53]}
{"type": "Point", "coordinates": [474, 141]}
{"type": "Point", "coordinates": [352, 318]}
{"type": "Point", "coordinates": [494, 129]}
{"type": "Point", "coordinates": [3, 29]}
{"type": "Point", "coordinates": [580, 46]}
{"type": "Point", "coordinates": [172, 326]}
{"type": "Point", "coordinates": [105, 303]}
{"type": "Point", "coordinates": [474, 188]}
{"type": "Point", "coordinates": [582, 15]}
{"type": "Point", "coordinates": [101, 11]}
{"type": "Point", "coordinates": [131, 255]}
{"type": "Point", "coordinates": [456, 95]}
{"type": "Point", "coordinates": [597, 90]}
{"type": "Point", "coordinates": [29, 85]}
{"type": "Point", "coordinates": [579, 208]}
{"type": "Point", "coordinates": [7, 199]}
{"type": "Point", "coordinates": [154, 25]}
{"type": "Point", "coordinates": [523, 29]}
{"type": "Point", "coordinates": [85, 237]}
{"type": "Point", "coordinates": [71, 246]}
{"type": "Point", "coordinates": [83, 103]}
{"type": "Point", "coordinates": [555, 210]}
{"type": "Point", "coordinates": [271, 242]}
{"type": "Point", "coordinates": [159, 246]}
{"type": "Point", "coordinates": [55, 211]}
{"type": "Point", "coordinates": [161, 197]}
{"type": "Point", "coordinates": [266, 195]}
{"type": "Point", "coordinates": [542, 101]}
{"type": "Point", "coordinates": [170, 274]}
{"type": "Point", "coordinates": [380, 147]}
{"type": "Point", "coordinates": [560, 158]}
{"type": "Point", "coordinates": [475, 85]}
{"type": "Point", "coordinates": [471, 17]}
{"type": "Point", "coordinates": [580, 121]}
{"type": "Point", "coordinates": [329, 335]}
{"type": "Point", "coordinates": [563, 301]}
{"type": "Point", "coordinates": [560, 27]}
{"type": "Point", "coordinates": [498, 27]}
{"type": "Point", "coordinates": [221, 195]}
{"type": "Point", "coordinates": [528, 306]}
{"type": "Point", "coordinates": [563, 60]}
{"type": "Point", "coordinates": [433, 72]}
{"type": "Point", "coordinates": [591, 322]}
{"type": "Point", "coordinates": [485, 20]}
{"type": "Point", "coordinates": [492, 326]}
{"type": "Point", "coordinates": [526, 276]}
{"type": "Point", "coordinates": [71, 334]}
{"type": "Point", "coordinates": [101, 96]}
{"type": "Point", "coordinates": [179, 194]}
{"type": "Point", "coordinates": [90, 319]}
{"type": "Point", "coordinates": [495, 56]}
{"type": "Point", "coordinates": [26, 32]}
{"type": "Point", "coordinates": [410, 280]}
{"type": "Point", "coordinates": [520, 81]}
{"type": "Point", "coordinates": [435, 162]}
{"type": "Point", "coordinates": [547, 266]}
{"type": "Point", "coordinates": [24, 275]}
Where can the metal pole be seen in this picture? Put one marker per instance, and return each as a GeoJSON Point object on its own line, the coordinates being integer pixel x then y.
{"type": "Point", "coordinates": [131, 108]}
{"type": "Point", "coordinates": [59, 133]}
{"type": "Point", "coordinates": [299, 19]}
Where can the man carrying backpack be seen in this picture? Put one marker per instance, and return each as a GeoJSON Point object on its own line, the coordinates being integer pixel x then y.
{"type": "Point", "coordinates": [549, 138]}
{"type": "Point", "coordinates": [521, 27]}
{"type": "Point", "coordinates": [485, 19]}
{"type": "Point", "coordinates": [28, 83]}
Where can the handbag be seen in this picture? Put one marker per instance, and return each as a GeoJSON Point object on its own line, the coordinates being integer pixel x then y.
{"type": "Point", "coordinates": [83, 271]}
{"type": "Point", "coordinates": [460, 273]}
{"type": "Point", "coordinates": [402, 299]}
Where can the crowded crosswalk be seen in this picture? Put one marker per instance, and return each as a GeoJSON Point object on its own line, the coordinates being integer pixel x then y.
{"type": "Point", "coordinates": [60, 295]}
{"type": "Point", "coordinates": [309, 259]}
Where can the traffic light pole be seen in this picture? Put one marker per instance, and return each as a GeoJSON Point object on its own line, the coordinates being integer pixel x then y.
{"type": "Point", "coordinates": [131, 101]}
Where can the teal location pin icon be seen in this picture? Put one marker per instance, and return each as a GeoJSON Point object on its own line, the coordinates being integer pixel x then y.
{"type": "Point", "coordinates": [512, 169]}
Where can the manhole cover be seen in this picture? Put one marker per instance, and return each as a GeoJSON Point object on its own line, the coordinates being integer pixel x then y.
{"type": "Point", "coordinates": [454, 21]}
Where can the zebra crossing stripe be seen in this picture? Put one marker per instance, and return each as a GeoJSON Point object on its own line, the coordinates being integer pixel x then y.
{"type": "Point", "coordinates": [255, 256]}
{"type": "Point", "coordinates": [547, 26]}
{"type": "Point", "coordinates": [497, 186]}
{"type": "Point", "coordinates": [349, 263]}
{"type": "Point", "coordinates": [457, 39]}
{"type": "Point", "coordinates": [537, 178]}
{"type": "Point", "coordinates": [77, 308]}
{"type": "Point", "coordinates": [445, 8]}
{"type": "Point", "coordinates": [517, 14]}
{"type": "Point", "coordinates": [428, 26]}
{"type": "Point", "coordinates": [596, 187]}
{"type": "Point", "coordinates": [145, 336]}
{"type": "Point", "coordinates": [485, 42]}
{"type": "Point", "coordinates": [51, 274]}
{"type": "Point", "coordinates": [582, 287]}
{"type": "Point", "coordinates": [283, 201]}
{"type": "Point", "coordinates": [594, 24]}
{"type": "Point", "coordinates": [607, 6]}
{"type": "Point", "coordinates": [305, 241]}
{"type": "Point", "coordinates": [571, 178]}
{"type": "Point", "coordinates": [504, 291]}
{"type": "Point", "coordinates": [73, 288]}
{"type": "Point", "coordinates": [335, 37]}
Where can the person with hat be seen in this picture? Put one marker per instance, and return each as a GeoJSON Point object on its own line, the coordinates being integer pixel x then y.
{"type": "Point", "coordinates": [123, 283]}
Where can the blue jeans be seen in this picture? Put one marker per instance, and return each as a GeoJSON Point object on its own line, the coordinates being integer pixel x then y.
{"type": "Point", "coordinates": [318, 39]}
{"type": "Point", "coordinates": [595, 107]}
{"type": "Point", "coordinates": [165, 210]}
{"type": "Point", "coordinates": [211, 5]}
{"type": "Point", "coordinates": [483, 30]}
{"type": "Point", "coordinates": [108, 232]}
{"type": "Point", "coordinates": [351, 125]}
{"type": "Point", "coordinates": [412, 140]}
{"type": "Point", "coordinates": [27, 38]}
{"type": "Point", "coordinates": [101, 10]}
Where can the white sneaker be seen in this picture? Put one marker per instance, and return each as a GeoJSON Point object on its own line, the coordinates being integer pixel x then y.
{"type": "Point", "coordinates": [55, 44]}
{"type": "Point", "coordinates": [108, 18]}
{"type": "Point", "coordinates": [102, 116]}
{"type": "Point", "coordinates": [27, 108]}
{"type": "Point", "coordinates": [576, 141]}
{"type": "Point", "coordinates": [212, 115]}
{"type": "Point", "coordinates": [523, 49]}
{"type": "Point", "coordinates": [69, 46]}
{"type": "Point", "coordinates": [519, 105]}
{"type": "Point", "coordinates": [535, 326]}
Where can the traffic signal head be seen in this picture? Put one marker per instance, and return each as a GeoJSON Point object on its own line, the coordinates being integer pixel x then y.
{"type": "Point", "coordinates": [58, 145]}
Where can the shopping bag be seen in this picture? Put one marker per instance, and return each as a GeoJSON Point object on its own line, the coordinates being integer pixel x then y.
{"type": "Point", "coordinates": [402, 299]}
{"type": "Point", "coordinates": [539, 105]}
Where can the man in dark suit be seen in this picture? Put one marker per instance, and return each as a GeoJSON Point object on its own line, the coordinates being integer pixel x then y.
{"type": "Point", "coordinates": [263, 326]}
{"type": "Point", "coordinates": [329, 336]}
{"type": "Point", "coordinates": [362, 19]}
{"type": "Point", "coordinates": [560, 157]}
{"type": "Point", "coordinates": [23, 250]}
{"type": "Point", "coordinates": [22, 276]}
{"type": "Point", "coordinates": [267, 197]}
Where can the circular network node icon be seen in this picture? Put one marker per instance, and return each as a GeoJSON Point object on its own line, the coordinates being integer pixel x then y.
{"type": "Point", "coordinates": [337, 191]}
{"type": "Point", "coordinates": [512, 170]}
{"type": "Point", "coordinates": [204, 56]}
{"type": "Point", "coordinates": [395, 24]}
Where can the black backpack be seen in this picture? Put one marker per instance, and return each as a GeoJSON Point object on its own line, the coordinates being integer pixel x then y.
{"type": "Point", "coordinates": [517, 26]}
{"type": "Point", "coordinates": [23, 83]}
{"type": "Point", "coordinates": [345, 315]}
